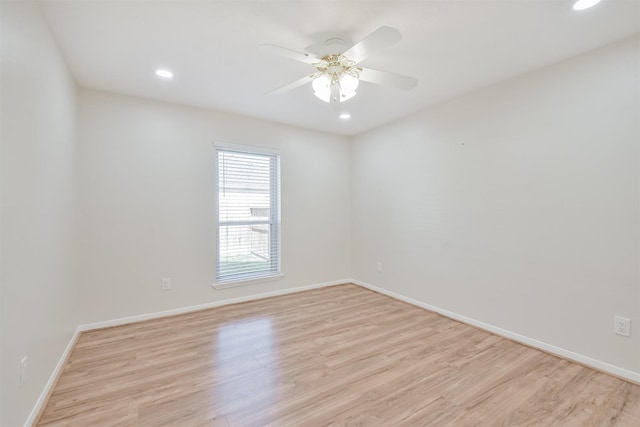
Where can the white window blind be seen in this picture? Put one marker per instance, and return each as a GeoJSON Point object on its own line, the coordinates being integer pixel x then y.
{"type": "Point", "coordinates": [248, 214]}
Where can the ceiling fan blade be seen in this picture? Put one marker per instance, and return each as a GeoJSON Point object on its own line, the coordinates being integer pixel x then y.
{"type": "Point", "coordinates": [386, 78]}
{"type": "Point", "coordinates": [292, 85]}
{"type": "Point", "coordinates": [382, 37]}
{"type": "Point", "coordinates": [307, 58]}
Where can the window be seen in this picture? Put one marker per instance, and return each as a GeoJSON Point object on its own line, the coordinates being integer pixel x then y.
{"type": "Point", "coordinates": [248, 215]}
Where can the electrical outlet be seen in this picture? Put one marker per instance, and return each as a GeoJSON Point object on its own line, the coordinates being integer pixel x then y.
{"type": "Point", "coordinates": [621, 326]}
{"type": "Point", "coordinates": [379, 266]}
{"type": "Point", "coordinates": [166, 284]}
{"type": "Point", "coordinates": [23, 370]}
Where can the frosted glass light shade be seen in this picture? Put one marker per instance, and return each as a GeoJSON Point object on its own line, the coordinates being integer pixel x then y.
{"type": "Point", "coordinates": [322, 87]}
{"type": "Point", "coordinates": [348, 86]}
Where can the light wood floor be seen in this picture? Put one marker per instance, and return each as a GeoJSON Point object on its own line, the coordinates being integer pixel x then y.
{"type": "Point", "coordinates": [341, 355]}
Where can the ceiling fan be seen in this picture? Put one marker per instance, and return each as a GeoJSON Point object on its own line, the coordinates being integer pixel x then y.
{"type": "Point", "coordinates": [337, 75]}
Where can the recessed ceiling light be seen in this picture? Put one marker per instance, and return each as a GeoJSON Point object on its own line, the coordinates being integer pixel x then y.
{"type": "Point", "coordinates": [164, 74]}
{"type": "Point", "coordinates": [345, 116]}
{"type": "Point", "coordinates": [585, 4]}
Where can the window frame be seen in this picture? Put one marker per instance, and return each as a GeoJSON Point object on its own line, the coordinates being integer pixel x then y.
{"type": "Point", "coordinates": [274, 218]}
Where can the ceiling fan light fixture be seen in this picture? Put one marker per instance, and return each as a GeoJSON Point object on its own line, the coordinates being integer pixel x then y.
{"type": "Point", "coordinates": [330, 90]}
{"type": "Point", "coordinates": [337, 78]}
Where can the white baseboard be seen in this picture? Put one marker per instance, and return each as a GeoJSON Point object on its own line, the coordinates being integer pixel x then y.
{"type": "Point", "coordinates": [558, 351]}
{"type": "Point", "coordinates": [53, 378]}
{"type": "Point", "coordinates": [173, 312]}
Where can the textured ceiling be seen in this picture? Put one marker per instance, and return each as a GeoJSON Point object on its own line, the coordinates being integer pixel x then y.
{"type": "Point", "coordinates": [450, 46]}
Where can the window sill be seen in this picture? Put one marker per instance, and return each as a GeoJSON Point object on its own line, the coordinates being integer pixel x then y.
{"type": "Point", "coordinates": [235, 283]}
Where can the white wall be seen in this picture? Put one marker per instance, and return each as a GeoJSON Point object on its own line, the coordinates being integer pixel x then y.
{"type": "Point", "coordinates": [517, 205]}
{"type": "Point", "coordinates": [147, 204]}
{"type": "Point", "coordinates": [39, 286]}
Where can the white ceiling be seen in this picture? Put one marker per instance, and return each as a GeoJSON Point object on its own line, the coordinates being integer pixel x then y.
{"type": "Point", "coordinates": [450, 46]}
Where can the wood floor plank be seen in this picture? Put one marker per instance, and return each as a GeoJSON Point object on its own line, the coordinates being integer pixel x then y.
{"type": "Point", "coordinates": [341, 355]}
